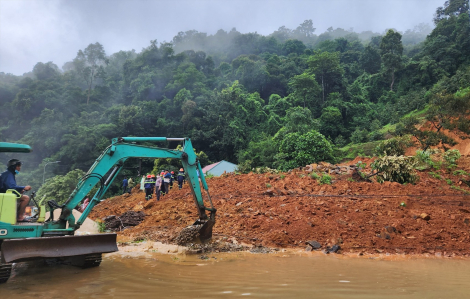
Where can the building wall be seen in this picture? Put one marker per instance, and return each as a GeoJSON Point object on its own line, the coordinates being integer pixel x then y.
{"type": "Point", "coordinates": [221, 167]}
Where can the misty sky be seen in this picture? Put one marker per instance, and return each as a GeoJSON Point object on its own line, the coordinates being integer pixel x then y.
{"type": "Point", "coordinates": [34, 31]}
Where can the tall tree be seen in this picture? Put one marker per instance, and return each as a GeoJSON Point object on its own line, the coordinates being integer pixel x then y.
{"type": "Point", "coordinates": [89, 64]}
{"type": "Point", "coordinates": [326, 67]}
{"type": "Point", "coordinates": [392, 49]}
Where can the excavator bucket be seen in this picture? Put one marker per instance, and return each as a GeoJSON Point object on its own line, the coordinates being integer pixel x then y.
{"type": "Point", "coordinates": [200, 232]}
{"type": "Point", "coordinates": [17, 250]}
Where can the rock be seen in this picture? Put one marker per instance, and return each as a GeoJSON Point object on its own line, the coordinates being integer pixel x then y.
{"type": "Point", "coordinates": [390, 229]}
{"type": "Point", "coordinates": [314, 244]}
{"type": "Point", "coordinates": [333, 249]}
{"type": "Point", "coordinates": [239, 204]}
{"type": "Point", "coordinates": [269, 192]}
{"type": "Point", "coordinates": [425, 216]}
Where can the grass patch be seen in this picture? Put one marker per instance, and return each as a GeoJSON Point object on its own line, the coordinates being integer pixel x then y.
{"type": "Point", "coordinates": [435, 175]}
{"type": "Point", "coordinates": [459, 189]}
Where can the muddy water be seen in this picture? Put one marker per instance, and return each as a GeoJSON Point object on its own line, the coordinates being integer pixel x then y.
{"type": "Point", "coordinates": [153, 275]}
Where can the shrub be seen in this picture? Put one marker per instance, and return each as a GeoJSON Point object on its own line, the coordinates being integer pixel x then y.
{"type": "Point", "coordinates": [393, 147]}
{"type": "Point", "coordinates": [302, 149]}
{"type": "Point", "coordinates": [398, 169]}
{"type": "Point", "coordinates": [451, 157]}
{"type": "Point", "coordinates": [314, 175]}
{"type": "Point", "coordinates": [424, 159]}
{"type": "Point", "coordinates": [244, 167]}
{"type": "Point", "coordinates": [325, 179]}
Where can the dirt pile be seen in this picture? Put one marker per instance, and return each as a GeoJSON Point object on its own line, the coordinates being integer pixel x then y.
{"type": "Point", "coordinates": [289, 209]}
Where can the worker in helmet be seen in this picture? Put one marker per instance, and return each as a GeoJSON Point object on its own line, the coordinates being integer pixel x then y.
{"type": "Point", "coordinates": [181, 178]}
{"type": "Point", "coordinates": [8, 181]}
{"type": "Point", "coordinates": [172, 178]}
{"type": "Point", "coordinates": [149, 184]}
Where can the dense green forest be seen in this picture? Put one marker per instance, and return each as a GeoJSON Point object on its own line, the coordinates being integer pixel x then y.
{"type": "Point", "coordinates": [281, 101]}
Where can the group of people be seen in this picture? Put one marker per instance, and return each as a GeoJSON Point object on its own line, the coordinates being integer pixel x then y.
{"type": "Point", "coordinates": [127, 185]}
{"type": "Point", "coordinates": [161, 184]}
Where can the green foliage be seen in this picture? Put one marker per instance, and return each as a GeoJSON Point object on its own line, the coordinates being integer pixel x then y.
{"type": "Point", "coordinates": [460, 172]}
{"type": "Point", "coordinates": [393, 147]}
{"type": "Point", "coordinates": [424, 159]}
{"type": "Point", "coordinates": [451, 157]}
{"type": "Point", "coordinates": [101, 226]}
{"type": "Point", "coordinates": [297, 150]}
{"type": "Point", "coordinates": [239, 96]}
{"type": "Point", "coordinates": [314, 175]}
{"type": "Point", "coordinates": [435, 175]}
{"type": "Point", "coordinates": [391, 49]}
{"type": "Point", "coordinates": [399, 169]}
{"type": "Point", "coordinates": [175, 164]}
{"type": "Point", "coordinates": [325, 179]}
{"type": "Point", "coordinates": [459, 189]}
{"type": "Point", "coordinates": [60, 187]}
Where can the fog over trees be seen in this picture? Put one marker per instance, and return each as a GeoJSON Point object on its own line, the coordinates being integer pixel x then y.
{"type": "Point", "coordinates": [280, 100]}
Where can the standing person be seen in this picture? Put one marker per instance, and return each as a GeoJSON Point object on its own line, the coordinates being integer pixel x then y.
{"type": "Point", "coordinates": [125, 184]}
{"type": "Point", "coordinates": [142, 183]}
{"type": "Point", "coordinates": [130, 182]}
{"type": "Point", "coordinates": [181, 178]}
{"type": "Point", "coordinates": [171, 179]}
{"type": "Point", "coordinates": [149, 184]}
{"type": "Point", "coordinates": [162, 186]}
{"type": "Point", "coordinates": [8, 181]}
{"type": "Point", "coordinates": [158, 186]}
{"type": "Point", "coordinates": [166, 180]}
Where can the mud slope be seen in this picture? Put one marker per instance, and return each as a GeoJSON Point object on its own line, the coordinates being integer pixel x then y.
{"type": "Point", "coordinates": [286, 210]}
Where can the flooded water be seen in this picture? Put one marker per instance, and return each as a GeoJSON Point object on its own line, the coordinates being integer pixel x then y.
{"type": "Point", "coordinates": [144, 275]}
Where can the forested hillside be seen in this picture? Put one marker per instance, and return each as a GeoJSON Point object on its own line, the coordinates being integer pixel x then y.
{"type": "Point", "coordinates": [283, 100]}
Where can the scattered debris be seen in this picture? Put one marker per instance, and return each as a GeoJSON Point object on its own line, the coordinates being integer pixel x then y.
{"type": "Point", "coordinates": [127, 219]}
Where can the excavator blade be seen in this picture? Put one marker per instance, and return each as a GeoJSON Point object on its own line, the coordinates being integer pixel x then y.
{"type": "Point", "coordinates": [17, 250]}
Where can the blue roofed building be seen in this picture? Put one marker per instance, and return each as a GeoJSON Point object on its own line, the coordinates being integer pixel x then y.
{"type": "Point", "coordinates": [217, 169]}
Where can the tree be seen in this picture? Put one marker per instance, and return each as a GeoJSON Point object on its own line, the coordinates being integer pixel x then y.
{"type": "Point", "coordinates": [305, 89]}
{"type": "Point", "coordinates": [89, 63]}
{"type": "Point", "coordinates": [326, 67]}
{"type": "Point", "coordinates": [61, 186]}
{"type": "Point", "coordinates": [371, 60]}
{"type": "Point", "coordinates": [297, 150]}
{"type": "Point", "coordinates": [391, 49]}
{"type": "Point", "coordinates": [451, 8]}
{"type": "Point", "coordinates": [331, 122]}
{"type": "Point", "coordinates": [44, 71]}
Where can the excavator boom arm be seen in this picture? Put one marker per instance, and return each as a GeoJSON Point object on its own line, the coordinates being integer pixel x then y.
{"type": "Point", "coordinates": [113, 159]}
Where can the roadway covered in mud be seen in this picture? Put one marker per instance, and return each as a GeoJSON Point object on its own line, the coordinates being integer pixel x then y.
{"type": "Point", "coordinates": [290, 209]}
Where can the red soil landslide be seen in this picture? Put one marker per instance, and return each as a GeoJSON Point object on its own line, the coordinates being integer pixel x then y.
{"type": "Point", "coordinates": [286, 210]}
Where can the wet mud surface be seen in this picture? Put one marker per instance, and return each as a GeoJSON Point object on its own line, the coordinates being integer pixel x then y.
{"type": "Point", "coordinates": [289, 210]}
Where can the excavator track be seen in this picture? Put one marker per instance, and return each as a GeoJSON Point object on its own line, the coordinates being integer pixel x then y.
{"type": "Point", "coordinates": [5, 271]}
{"type": "Point", "coordinates": [86, 261]}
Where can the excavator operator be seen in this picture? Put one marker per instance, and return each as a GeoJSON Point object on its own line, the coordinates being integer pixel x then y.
{"type": "Point", "coordinates": [8, 181]}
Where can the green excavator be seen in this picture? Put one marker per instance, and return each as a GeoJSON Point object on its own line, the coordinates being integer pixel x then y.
{"type": "Point", "coordinates": [45, 239]}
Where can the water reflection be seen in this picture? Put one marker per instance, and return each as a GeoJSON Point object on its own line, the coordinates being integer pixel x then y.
{"type": "Point", "coordinates": [248, 275]}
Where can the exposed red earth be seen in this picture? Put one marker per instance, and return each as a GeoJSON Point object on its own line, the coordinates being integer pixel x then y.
{"type": "Point", "coordinates": [285, 210]}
